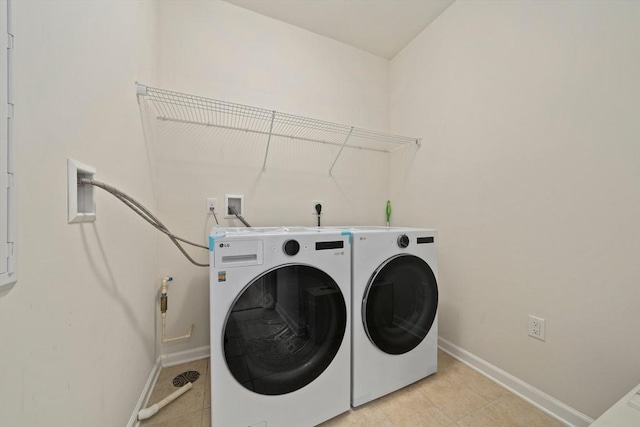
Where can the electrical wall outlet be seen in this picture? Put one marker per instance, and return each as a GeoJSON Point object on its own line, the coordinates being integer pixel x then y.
{"type": "Point", "coordinates": [212, 202]}
{"type": "Point", "coordinates": [235, 201]}
{"type": "Point", "coordinates": [313, 207]}
{"type": "Point", "coordinates": [537, 327]}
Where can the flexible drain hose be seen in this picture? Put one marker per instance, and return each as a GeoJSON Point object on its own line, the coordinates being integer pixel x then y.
{"type": "Point", "coordinates": [146, 215]}
{"type": "Point", "coordinates": [153, 409]}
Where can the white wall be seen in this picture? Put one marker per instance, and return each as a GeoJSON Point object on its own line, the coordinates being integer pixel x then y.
{"type": "Point", "coordinates": [221, 51]}
{"type": "Point", "coordinates": [77, 331]}
{"type": "Point", "coordinates": [530, 170]}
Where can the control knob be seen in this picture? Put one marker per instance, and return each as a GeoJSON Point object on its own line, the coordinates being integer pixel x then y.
{"type": "Point", "coordinates": [291, 247]}
{"type": "Point", "coordinates": [403, 240]}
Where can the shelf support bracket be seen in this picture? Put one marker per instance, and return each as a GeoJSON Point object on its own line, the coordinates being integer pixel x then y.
{"type": "Point", "coordinates": [266, 153]}
{"type": "Point", "coordinates": [341, 148]}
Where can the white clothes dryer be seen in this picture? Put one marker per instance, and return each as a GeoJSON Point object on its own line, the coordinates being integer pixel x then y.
{"type": "Point", "coordinates": [395, 309]}
{"type": "Point", "coordinates": [280, 326]}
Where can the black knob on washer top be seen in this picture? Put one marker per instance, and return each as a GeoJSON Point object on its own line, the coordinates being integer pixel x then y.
{"type": "Point", "coordinates": [291, 247]}
{"type": "Point", "coordinates": [403, 240]}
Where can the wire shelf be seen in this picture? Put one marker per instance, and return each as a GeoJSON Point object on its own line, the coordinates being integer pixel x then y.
{"type": "Point", "coordinates": [191, 109]}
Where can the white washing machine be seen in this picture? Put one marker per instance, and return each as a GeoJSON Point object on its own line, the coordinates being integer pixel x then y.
{"type": "Point", "coordinates": [395, 309]}
{"type": "Point", "coordinates": [280, 326]}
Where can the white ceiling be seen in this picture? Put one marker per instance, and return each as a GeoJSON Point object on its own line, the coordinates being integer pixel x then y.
{"type": "Point", "coordinates": [381, 27]}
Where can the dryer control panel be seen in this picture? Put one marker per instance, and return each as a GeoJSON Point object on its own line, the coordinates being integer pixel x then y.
{"type": "Point", "coordinates": [403, 241]}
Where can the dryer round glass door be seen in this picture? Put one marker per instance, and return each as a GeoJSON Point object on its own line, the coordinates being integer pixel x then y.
{"type": "Point", "coordinates": [284, 329]}
{"type": "Point", "coordinates": [400, 304]}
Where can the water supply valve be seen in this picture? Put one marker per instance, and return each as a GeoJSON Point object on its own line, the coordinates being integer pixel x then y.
{"type": "Point", "coordinates": [164, 302]}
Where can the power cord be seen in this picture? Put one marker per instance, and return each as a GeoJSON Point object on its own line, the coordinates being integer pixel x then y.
{"type": "Point", "coordinates": [146, 215]}
{"type": "Point", "coordinates": [213, 211]}
{"type": "Point", "coordinates": [318, 210]}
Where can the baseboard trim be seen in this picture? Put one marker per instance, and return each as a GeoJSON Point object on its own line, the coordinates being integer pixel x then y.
{"type": "Point", "coordinates": [164, 361]}
{"type": "Point", "coordinates": [185, 356]}
{"type": "Point", "coordinates": [146, 393]}
{"type": "Point", "coordinates": [548, 404]}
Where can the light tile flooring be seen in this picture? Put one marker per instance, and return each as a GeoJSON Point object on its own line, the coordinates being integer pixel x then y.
{"type": "Point", "coordinates": [456, 396]}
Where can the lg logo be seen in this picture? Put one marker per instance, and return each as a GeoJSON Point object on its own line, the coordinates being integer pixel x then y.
{"type": "Point", "coordinates": [224, 245]}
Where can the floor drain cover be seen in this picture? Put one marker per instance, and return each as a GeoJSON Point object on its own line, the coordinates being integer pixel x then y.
{"type": "Point", "coordinates": [186, 377]}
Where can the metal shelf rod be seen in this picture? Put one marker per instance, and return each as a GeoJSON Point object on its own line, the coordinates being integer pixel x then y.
{"type": "Point", "coordinates": [340, 152]}
{"type": "Point", "coordinates": [266, 153]}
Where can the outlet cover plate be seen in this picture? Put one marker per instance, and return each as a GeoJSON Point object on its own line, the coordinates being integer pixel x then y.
{"type": "Point", "coordinates": [212, 202]}
{"type": "Point", "coordinates": [537, 328]}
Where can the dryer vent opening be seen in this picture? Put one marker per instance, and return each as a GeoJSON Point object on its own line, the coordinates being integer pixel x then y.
{"type": "Point", "coordinates": [186, 377]}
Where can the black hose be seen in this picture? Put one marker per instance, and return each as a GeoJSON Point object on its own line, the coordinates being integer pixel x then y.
{"type": "Point", "coordinates": [235, 212]}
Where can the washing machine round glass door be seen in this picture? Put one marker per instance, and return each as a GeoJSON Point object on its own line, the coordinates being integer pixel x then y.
{"type": "Point", "coordinates": [284, 329]}
{"type": "Point", "coordinates": [400, 304]}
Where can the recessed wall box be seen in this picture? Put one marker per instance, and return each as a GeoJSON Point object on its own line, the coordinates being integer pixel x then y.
{"type": "Point", "coordinates": [81, 205]}
{"type": "Point", "coordinates": [233, 201]}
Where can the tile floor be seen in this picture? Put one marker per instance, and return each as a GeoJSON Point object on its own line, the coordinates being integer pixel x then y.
{"type": "Point", "coordinates": [456, 396]}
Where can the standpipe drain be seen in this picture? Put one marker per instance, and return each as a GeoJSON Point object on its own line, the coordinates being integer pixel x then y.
{"type": "Point", "coordinates": [186, 377]}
